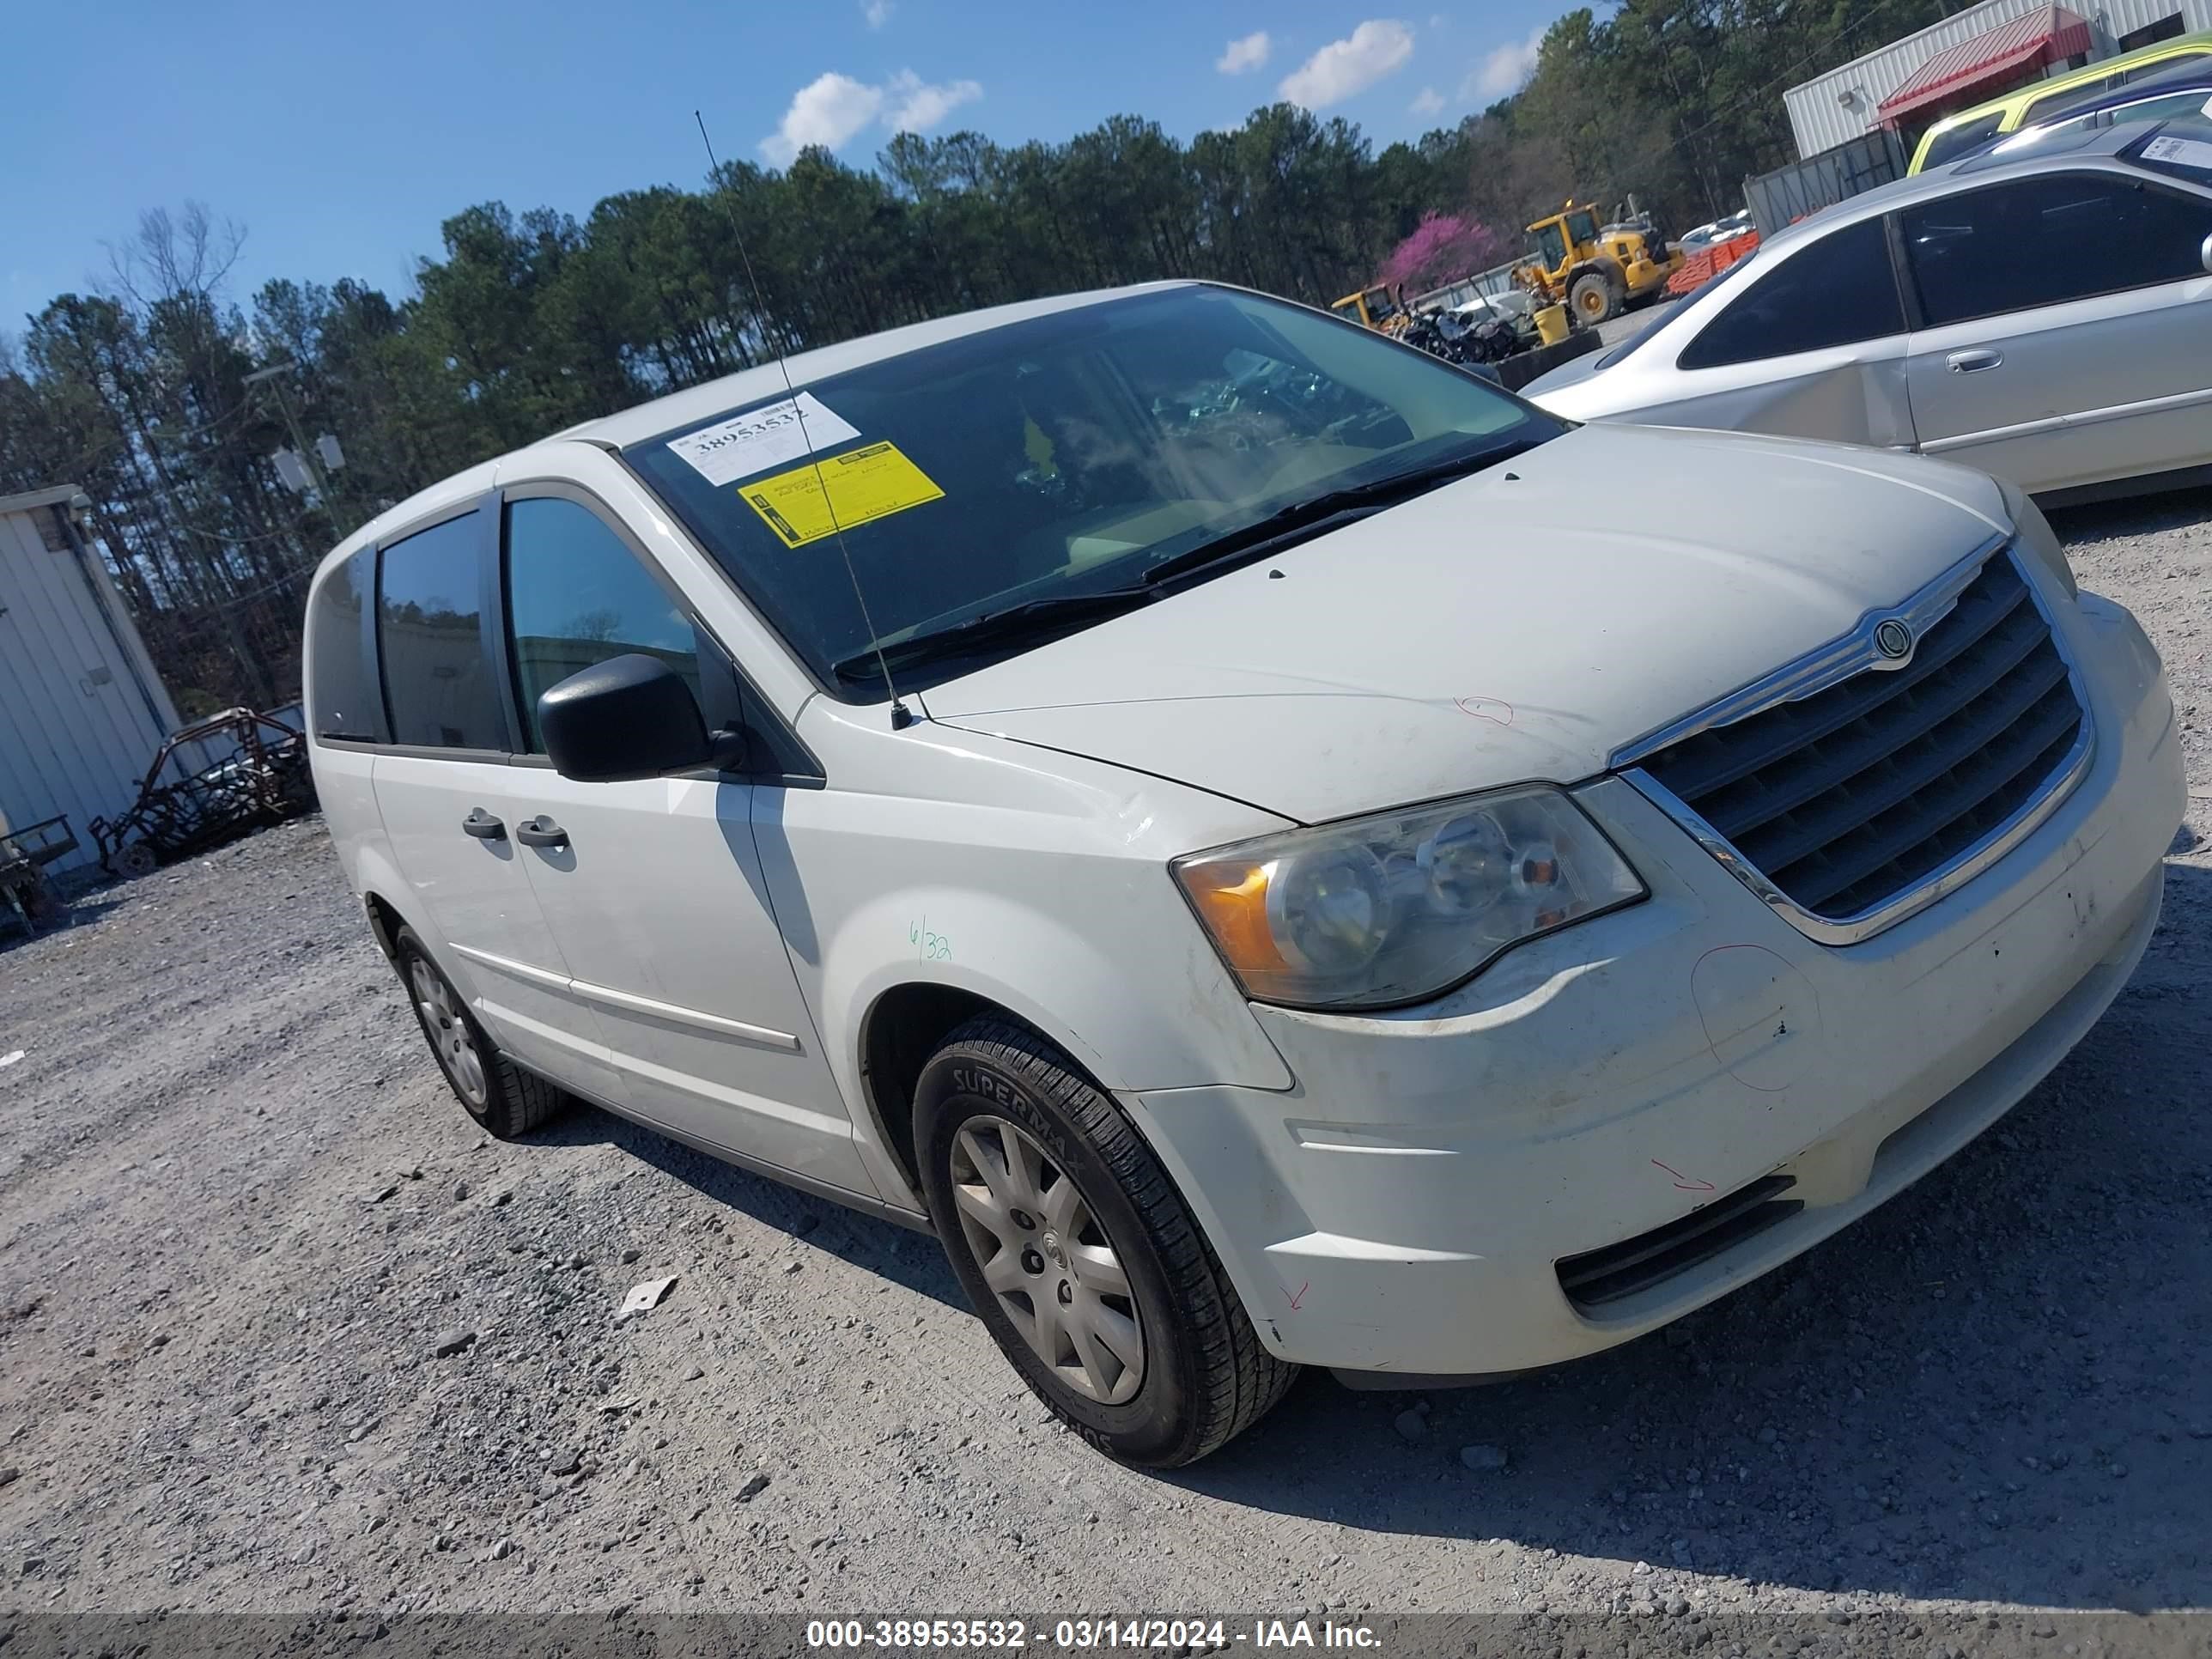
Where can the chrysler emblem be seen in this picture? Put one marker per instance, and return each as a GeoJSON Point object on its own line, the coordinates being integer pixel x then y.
{"type": "Point", "coordinates": [1893, 639]}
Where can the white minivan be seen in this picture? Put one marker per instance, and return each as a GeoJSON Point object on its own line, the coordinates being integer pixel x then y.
{"type": "Point", "coordinates": [1246, 832]}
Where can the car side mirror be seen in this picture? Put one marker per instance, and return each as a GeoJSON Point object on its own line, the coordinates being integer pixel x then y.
{"type": "Point", "coordinates": [628, 718]}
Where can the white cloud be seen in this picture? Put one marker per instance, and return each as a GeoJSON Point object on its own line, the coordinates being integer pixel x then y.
{"type": "Point", "coordinates": [1429, 102]}
{"type": "Point", "coordinates": [917, 106]}
{"type": "Point", "coordinates": [1507, 69]}
{"type": "Point", "coordinates": [1248, 53]}
{"type": "Point", "coordinates": [831, 109]}
{"type": "Point", "coordinates": [877, 12]}
{"type": "Point", "coordinates": [826, 111]}
{"type": "Point", "coordinates": [1377, 48]}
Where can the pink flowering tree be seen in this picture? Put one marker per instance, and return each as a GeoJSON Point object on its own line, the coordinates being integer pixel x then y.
{"type": "Point", "coordinates": [1443, 248]}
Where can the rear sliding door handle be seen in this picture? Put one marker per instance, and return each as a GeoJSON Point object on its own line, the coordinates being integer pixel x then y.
{"type": "Point", "coordinates": [484, 827]}
{"type": "Point", "coordinates": [1973, 362]}
{"type": "Point", "coordinates": [541, 831]}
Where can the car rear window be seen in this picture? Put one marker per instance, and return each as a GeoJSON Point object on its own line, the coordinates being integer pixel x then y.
{"type": "Point", "coordinates": [1955, 142]}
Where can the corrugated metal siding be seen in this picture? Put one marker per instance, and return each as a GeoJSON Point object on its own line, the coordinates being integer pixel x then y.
{"type": "Point", "coordinates": [1821, 122]}
{"type": "Point", "coordinates": [77, 732]}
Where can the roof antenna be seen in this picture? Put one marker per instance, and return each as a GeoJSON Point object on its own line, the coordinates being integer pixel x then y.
{"type": "Point", "coordinates": [901, 717]}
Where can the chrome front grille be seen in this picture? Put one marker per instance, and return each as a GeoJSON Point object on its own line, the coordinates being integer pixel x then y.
{"type": "Point", "coordinates": [1853, 804]}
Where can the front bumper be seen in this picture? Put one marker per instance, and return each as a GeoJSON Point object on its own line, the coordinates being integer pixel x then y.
{"type": "Point", "coordinates": [1404, 1207]}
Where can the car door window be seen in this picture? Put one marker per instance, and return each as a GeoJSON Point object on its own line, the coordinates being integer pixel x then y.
{"type": "Point", "coordinates": [1837, 291]}
{"type": "Point", "coordinates": [437, 686]}
{"type": "Point", "coordinates": [2045, 240]}
{"type": "Point", "coordinates": [577, 595]}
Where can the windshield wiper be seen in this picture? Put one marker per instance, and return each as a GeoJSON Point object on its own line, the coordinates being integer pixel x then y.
{"type": "Point", "coordinates": [1298, 522]}
{"type": "Point", "coordinates": [1030, 616]}
{"type": "Point", "coordinates": [1303, 520]}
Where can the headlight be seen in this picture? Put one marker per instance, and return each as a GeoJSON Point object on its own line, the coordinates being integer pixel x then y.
{"type": "Point", "coordinates": [2036, 537]}
{"type": "Point", "coordinates": [1402, 906]}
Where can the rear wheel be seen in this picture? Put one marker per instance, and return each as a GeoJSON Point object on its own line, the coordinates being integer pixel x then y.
{"type": "Point", "coordinates": [1082, 1260]}
{"type": "Point", "coordinates": [499, 1094]}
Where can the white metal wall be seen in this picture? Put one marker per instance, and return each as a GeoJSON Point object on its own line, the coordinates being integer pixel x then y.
{"type": "Point", "coordinates": [1820, 117]}
{"type": "Point", "coordinates": [82, 710]}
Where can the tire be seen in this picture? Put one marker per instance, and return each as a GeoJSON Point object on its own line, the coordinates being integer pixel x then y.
{"type": "Point", "coordinates": [506, 1100]}
{"type": "Point", "coordinates": [1158, 1364]}
{"type": "Point", "coordinates": [1592, 299]}
{"type": "Point", "coordinates": [137, 860]}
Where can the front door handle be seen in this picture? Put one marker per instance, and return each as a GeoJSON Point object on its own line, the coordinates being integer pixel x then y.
{"type": "Point", "coordinates": [484, 827]}
{"type": "Point", "coordinates": [1973, 362]}
{"type": "Point", "coordinates": [541, 831]}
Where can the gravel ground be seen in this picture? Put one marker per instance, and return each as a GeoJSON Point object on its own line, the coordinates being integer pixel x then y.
{"type": "Point", "coordinates": [281, 1331]}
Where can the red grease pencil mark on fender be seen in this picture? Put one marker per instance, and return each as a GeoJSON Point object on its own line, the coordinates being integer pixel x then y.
{"type": "Point", "coordinates": [1681, 1181]}
{"type": "Point", "coordinates": [1302, 1289]}
{"type": "Point", "coordinates": [1485, 708]}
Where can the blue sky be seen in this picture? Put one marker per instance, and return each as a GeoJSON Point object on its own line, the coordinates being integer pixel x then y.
{"type": "Point", "coordinates": [340, 136]}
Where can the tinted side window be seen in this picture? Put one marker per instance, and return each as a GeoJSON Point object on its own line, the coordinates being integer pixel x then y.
{"type": "Point", "coordinates": [2046, 240]}
{"type": "Point", "coordinates": [1837, 291]}
{"type": "Point", "coordinates": [1949, 145]}
{"type": "Point", "coordinates": [436, 682]}
{"type": "Point", "coordinates": [576, 595]}
{"type": "Point", "coordinates": [341, 697]}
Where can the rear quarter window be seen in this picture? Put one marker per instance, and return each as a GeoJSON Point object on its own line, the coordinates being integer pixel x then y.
{"type": "Point", "coordinates": [1837, 291]}
{"type": "Point", "coordinates": [341, 691]}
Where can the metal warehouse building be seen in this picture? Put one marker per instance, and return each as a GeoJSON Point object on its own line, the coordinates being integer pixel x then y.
{"type": "Point", "coordinates": [1976, 53]}
{"type": "Point", "coordinates": [82, 709]}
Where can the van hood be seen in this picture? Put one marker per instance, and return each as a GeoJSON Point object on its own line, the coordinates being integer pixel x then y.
{"type": "Point", "coordinates": [1516, 625]}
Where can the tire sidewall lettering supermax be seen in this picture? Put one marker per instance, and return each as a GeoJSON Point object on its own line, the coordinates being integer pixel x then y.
{"type": "Point", "coordinates": [988, 1085]}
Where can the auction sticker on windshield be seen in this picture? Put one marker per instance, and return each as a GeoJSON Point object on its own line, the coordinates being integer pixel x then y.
{"type": "Point", "coordinates": [762, 438]}
{"type": "Point", "coordinates": [2185, 152]}
{"type": "Point", "coordinates": [861, 484]}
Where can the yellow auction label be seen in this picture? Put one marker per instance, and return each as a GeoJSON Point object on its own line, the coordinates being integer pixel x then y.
{"type": "Point", "coordinates": [863, 485]}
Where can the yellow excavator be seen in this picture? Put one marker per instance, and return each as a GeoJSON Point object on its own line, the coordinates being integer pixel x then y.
{"type": "Point", "coordinates": [1594, 269]}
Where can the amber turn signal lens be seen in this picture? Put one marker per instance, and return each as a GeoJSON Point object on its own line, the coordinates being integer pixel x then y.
{"type": "Point", "coordinates": [1231, 897]}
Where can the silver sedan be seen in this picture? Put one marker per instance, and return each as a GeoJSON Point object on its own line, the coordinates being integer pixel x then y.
{"type": "Point", "coordinates": [2044, 317]}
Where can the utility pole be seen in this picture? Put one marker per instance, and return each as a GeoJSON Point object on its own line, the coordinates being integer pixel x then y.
{"type": "Point", "coordinates": [309, 458]}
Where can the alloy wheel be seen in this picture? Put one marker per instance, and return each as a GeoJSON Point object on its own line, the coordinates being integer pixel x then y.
{"type": "Point", "coordinates": [449, 1034]}
{"type": "Point", "coordinates": [1047, 1259]}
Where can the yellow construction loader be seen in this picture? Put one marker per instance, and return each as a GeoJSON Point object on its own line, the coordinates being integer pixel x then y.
{"type": "Point", "coordinates": [1596, 271]}
{"type": "Point", "coordinates": [1380, 308]}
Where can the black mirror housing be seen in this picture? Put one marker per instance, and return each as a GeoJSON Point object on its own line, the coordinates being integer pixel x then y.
{"type": "Point", "coordinates": [628, 718]}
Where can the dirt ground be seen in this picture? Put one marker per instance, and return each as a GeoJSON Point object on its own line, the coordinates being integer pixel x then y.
{"type": "Point", "coordinates": [239, 1216]}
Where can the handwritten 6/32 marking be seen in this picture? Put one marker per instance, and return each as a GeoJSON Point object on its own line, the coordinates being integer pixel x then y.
{"type": "Point", "coordinates": [928, 946]}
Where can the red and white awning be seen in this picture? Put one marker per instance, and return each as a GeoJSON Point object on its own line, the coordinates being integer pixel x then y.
{"type": "Point", "coordinates": [2048, 34]}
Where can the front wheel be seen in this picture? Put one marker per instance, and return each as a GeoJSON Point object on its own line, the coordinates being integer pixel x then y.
{"type": "Point", "coordinates": [1082, 1259]}
{"type": "Point", "coordinates": [1593, 299]}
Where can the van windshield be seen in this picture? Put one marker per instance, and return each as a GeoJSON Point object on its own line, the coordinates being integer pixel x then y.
{"type": "Point", "coordinates": [1039, 465]}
